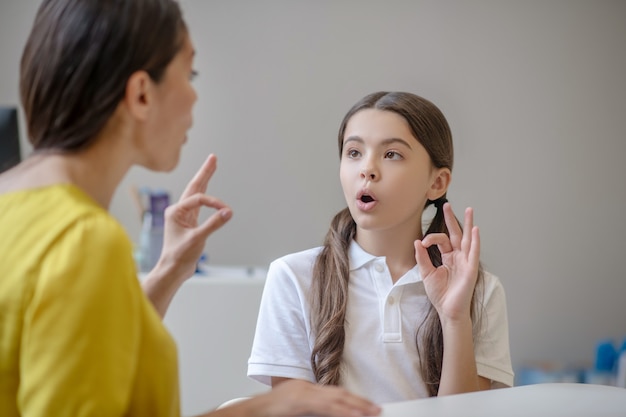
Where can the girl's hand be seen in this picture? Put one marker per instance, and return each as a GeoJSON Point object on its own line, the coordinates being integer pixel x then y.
{"type": "Point", "coordinates": [451, 285]}
{"type": "Point", "coordinates": [184, 238]}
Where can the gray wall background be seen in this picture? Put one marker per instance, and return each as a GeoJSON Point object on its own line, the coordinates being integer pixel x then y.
{"type": "Point", "coordinates": [534, 91]}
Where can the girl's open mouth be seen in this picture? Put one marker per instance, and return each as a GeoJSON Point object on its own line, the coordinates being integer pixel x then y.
{"type": "Point", "coordinates": [365, 201]}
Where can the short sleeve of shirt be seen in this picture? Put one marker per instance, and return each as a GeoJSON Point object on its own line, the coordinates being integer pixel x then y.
{"type": "Point", "coordinates": [281, 343]}
{"type": "Point", "coordinates": [81, 326]}
{"type": "Point", "coordinates": [493, 359]}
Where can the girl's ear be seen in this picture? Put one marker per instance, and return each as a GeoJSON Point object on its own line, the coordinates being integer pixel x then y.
{"type": "Point", "coordinates": [440, 181]}
{"type": "Point", "coordinates": [138, 96]}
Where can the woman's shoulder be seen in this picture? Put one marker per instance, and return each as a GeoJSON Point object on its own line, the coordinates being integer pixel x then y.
{"type": "Point", "coordinates": [67, 198]}
{"type": "Point", "coordinates": [59, 215]}
{"type": "Point", "coordinates": [58, 235]}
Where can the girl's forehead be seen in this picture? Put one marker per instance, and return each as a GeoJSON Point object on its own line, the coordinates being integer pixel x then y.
{"type": "Point", "coordinates": [377, 123]}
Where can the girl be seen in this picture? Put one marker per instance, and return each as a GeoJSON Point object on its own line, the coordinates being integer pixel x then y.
{"type": "Point", "coordinates": [106, 85]}
{"type": "Point", "coordinates": [383, 308]}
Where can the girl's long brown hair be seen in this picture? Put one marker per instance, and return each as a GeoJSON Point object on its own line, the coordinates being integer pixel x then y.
{"type": "Point", "coordinates": [331, 272]}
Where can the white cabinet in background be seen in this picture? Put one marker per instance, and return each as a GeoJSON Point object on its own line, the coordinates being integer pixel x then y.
{"type": "Point", "coordinates": [212, 319]}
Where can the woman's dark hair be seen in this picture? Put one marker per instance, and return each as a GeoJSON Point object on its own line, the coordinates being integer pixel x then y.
{"type": "Point", "coordinates": [79, 57]}
{"type": "Point", "coordinates": [331, 271]}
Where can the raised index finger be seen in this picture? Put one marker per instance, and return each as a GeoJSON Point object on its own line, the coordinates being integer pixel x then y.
{"type": "Point", "coordinates": [200, 181]}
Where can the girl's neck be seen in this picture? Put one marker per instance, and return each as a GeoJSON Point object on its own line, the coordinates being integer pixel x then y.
{"type": "Point", "coordinates": [395, 245]}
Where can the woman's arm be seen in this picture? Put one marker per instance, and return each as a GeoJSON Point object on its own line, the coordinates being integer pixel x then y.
{"type": "Point", "coordinates": [300, 398]}
{"type": "Point", "coordinates": [81, 329]}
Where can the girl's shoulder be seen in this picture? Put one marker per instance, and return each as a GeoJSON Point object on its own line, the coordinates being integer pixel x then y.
{"type": "Point", "coordinates": [304, 256]}
{"type": "Point", "coordinates": [296, 265]}
{"type": "Point", "coordinates": [491, 286]}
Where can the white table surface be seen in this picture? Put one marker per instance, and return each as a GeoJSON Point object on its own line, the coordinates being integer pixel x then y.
{"type": "Point", "coordinates": [554, 400]}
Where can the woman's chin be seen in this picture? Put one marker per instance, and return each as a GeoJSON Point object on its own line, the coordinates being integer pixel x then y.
{"type": "Point", "coordinates": [163, 165]}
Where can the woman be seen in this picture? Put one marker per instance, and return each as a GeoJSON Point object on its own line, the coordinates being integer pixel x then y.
{"type": "Point", "coordinates": [102, 91]}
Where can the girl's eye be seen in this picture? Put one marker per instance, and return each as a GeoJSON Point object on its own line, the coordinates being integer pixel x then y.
{"type": "Point", "coordinates": [393, 155]}
{"type": "Point", "coordinates": [353, 153]}
{"type": "Point", "coordinates": [193, 75]}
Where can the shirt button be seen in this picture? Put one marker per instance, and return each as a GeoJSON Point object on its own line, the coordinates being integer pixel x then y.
{"type": "Point", "coordinates": [391, 300]}
{"type": "Point", "coordinates": [379, 268]}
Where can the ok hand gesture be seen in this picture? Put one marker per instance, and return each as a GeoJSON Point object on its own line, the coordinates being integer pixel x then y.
{"type": "Point", "coordinates": [451, 285]}
{"type": "Point", "coordinates": [185, 237]}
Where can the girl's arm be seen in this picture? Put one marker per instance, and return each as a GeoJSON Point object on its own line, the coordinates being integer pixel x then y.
{"type": "Point", "coordinates": [458, 373]}
{"type": "Point", "coordinates": [450, 288]}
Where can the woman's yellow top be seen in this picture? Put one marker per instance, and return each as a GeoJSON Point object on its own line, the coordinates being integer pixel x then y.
{"type": "Point", "coordinates": [78, 336]}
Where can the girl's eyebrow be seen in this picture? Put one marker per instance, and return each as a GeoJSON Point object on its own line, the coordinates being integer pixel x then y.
{"type": "Point", "coordinates": [385, 142]}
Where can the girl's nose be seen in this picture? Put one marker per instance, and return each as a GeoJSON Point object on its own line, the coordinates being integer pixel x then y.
{"type": "Point", "coordinates": [369, 174]}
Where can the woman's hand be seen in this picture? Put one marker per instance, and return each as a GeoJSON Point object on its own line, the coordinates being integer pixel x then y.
{"type": "Point", "coordinates": [301, 398]}
{"type": "Point", "coordinates": [451, 285]}
{"type": "Point", "coordinates": [184, 238]}
{"type": "Point", "coordinates": [297, 397]}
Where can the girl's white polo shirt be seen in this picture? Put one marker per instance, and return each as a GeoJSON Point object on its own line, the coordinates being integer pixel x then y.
{"type": "Point", "coordinates": [380, 359]}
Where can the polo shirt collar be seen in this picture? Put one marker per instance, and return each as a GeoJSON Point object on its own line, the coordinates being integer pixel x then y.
{"type": "Point", "coordinates": [358, 258]}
